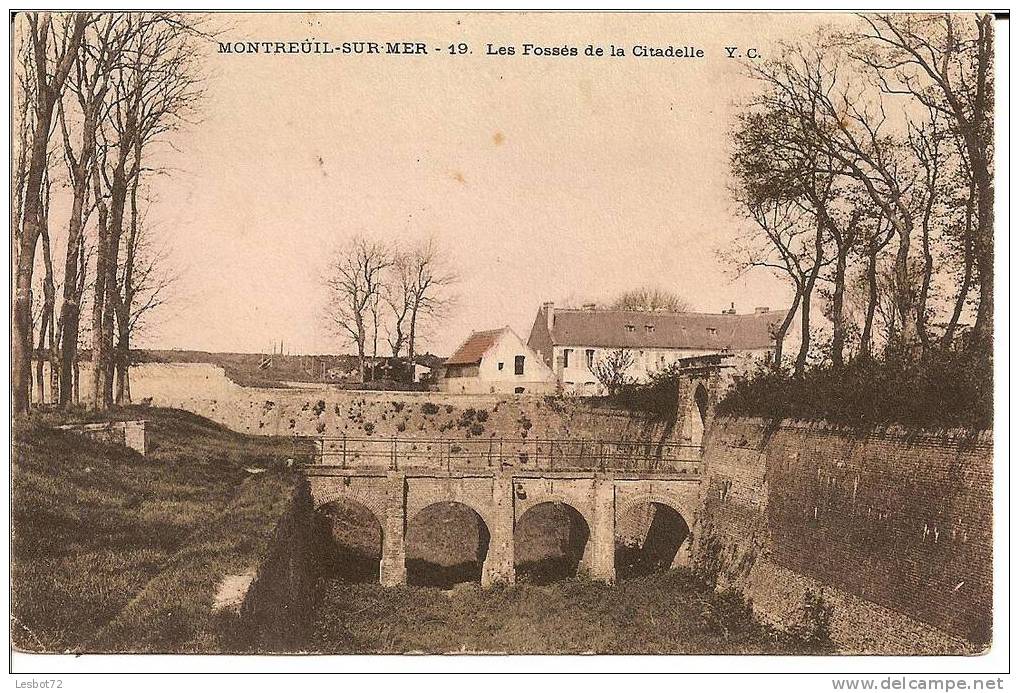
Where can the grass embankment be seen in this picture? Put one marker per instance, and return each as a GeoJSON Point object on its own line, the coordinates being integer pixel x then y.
{"type": "Point", "coordinates": [115, 552]}
{"type": "Point", "coordinates": [664, 613]}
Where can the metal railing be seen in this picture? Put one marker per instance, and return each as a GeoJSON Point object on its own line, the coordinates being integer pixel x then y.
{"type": "Point", "coordinates": [497, 453]}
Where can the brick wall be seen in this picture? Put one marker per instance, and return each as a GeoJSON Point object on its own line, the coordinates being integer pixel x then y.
{"type": "Point", "coordinates": [890, 529]}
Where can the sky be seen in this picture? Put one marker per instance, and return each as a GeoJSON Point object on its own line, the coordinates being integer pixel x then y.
{"type": "Point", "coordinates": [542, 178]}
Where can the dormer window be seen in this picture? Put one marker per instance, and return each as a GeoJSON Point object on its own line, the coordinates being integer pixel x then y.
{"type": "Point", "coordinates": [650, 329]}
{"type": "Point", "coordinates": [630, 328]}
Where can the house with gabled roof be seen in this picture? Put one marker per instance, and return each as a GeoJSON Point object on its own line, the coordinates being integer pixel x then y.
{"type": "Point", "coordinates": [572, 341]}
{"type": "Point", "coordinates": [496, 361]}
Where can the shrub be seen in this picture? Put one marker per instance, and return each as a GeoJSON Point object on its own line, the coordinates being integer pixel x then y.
{"type": "Point", "coordinates": [482, 416]}
{"type": "Point", "coordinates": [944, 388]}
{"type": "Point", "coordinates": [476, 429]}
{"type": "Point", "coordinates": [429, 408]}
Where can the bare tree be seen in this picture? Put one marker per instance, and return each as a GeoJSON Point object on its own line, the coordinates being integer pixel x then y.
{"type": "Point", "coordinates": [430, 280]}
{"type": "Point", "coordinates": [354, 281]}
{"type": "Point", "coordinates": [399, 298]}
{"type": "Point", "coordinates": [87, 84]}
{"type": "Point", "coordinates": [945, 62]}
{"type": "Point", "coordinates": [50, 74]}
{"type": "Point", "coordinates": [877, 236]}
{"type": "Point", "coordinates": [155, 88]}
{"type": "Point", "coordinates": [651, 299]}
{"type": "Point", "coordinates": [146, 282]}
{"type": "Point", "coordinates": [612, 370]}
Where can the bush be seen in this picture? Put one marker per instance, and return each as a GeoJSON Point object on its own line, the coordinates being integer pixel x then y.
{"type": "Point", "coordinates": [429, 408]}
{"type": "Point", "coordinates": [942, 389]}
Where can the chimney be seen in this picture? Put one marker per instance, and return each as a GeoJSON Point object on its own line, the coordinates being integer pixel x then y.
{"type": "Point", "coordinates": [761, 309]}
{"type": "Point", "coordinates": [549, 309]}
{"type": "Point", "coordinates": [731, 310]}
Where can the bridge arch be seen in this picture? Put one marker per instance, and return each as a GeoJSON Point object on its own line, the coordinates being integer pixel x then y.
{"type": "Point", "coordinates": [351, 537]}
{"type": "Point", "coordinates": [447, 542]}
{"type": "Point", "coordinates": [653, 533]}
{"type": "Point", "coordinates": [551, 540]}
{"type": "Point", "coordinates": [368, 493]}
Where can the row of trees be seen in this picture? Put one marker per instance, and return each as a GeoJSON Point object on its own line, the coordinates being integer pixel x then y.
{"type": "Point", "coordinates": [95, 94]}
{"type": "Point", "coordinates": [864, 161]}
{"type": "Point", "coordinates": [375, 289]}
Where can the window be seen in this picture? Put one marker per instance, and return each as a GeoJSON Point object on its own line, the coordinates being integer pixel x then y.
{"type": "Point", "coordinates": [590, 359]}
{"type": "Point", "coordinates": [630, 328]}
{"type": "Point", "coordinates": [518, 365]}
{"type": "Point", "coordinates": [501, 365]}
{"type": "Point", "coordinates": [650, 329]}
{"type": "Point", "coordinates": [518, 390]}
{"type": "Point", "coordinates": [712, 330]}
{"type": "Point", "coordinates": [566, 358]}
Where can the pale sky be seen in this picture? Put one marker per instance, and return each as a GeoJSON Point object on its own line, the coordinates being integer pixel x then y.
{"type": "Point", "coordinates": [544, 178]}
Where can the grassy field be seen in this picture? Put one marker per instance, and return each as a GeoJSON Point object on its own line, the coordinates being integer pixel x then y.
{"type": "Point", "coordinates": [114, 552]}
{"type": "Point", "coordinates": [663, 613]}
{"type": "Point", "coordinates": [250, 371]}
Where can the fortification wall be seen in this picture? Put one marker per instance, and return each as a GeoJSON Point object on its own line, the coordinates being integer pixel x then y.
{"type": "Point", "coordinates": [330, 411]}
{"type": "Point", "coordinates": [882, 538]}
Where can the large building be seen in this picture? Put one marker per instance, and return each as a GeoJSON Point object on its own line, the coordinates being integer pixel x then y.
{"type": "Point", "coordinates": [496, 361]}
{"type": "Point", "coordinates": [572, 342]}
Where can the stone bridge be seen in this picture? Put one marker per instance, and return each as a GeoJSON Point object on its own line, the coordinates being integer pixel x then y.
{"type": "Point", "coordinates": [600, 482]}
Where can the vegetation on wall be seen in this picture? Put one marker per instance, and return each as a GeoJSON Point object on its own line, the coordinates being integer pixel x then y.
{"type": "Point", "coordinates": [941, 388]}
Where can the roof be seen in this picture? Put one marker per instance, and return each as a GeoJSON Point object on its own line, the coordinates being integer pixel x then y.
{"type": "Point", "coordinates": [474, 348]}
{"type": "Point", "coordinates": [709, 331]}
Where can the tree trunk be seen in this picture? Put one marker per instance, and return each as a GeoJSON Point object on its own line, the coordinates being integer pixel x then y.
{"type": "Point", "coordinates": [98, 384]}
{"type": "Point", "coordinates": [979, 149]}
{"type": "Point", "coordinates": [360, 352]}
{"type": "Point", "coordinates": [412, 333]}
{"type": "Point", "coordinates": [808, 290]}
{"type": "Point", "coordinates": [783, 329]}
{"type": "Point", "coordinates": [118, 200]}
{"type": "Point", "coordinates": [48, 92]}
{"type": "Point", "coordinates": [967, 269]}
{"type": "Point", "coordinates": [70, 307]}
{"type": "Point", "coordinates": [46, 327]}
{"type": "Point", "coordinates": [904, 303]}
{"type": "Point", "coordinates": [925, 282]}
{"type": "Point", "coordinates": [838, 337]}
{"type": "Point", "coordinates": [867, 337]}
{"type": "Point", "coordinates": [983, 328]}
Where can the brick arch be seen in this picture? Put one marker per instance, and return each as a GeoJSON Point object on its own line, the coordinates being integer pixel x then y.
{"type": "Point", "coordinates": [534, 501]}
{"type": "Point", "coordinates": [658, 497]}
{"type": "Point", "coordinates": [371, 499]}
{"type": "Point", "coordinates": [485, 517]}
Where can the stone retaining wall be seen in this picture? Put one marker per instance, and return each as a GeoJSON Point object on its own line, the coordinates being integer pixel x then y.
{"type": "Point", "coordinates": [881, 538]}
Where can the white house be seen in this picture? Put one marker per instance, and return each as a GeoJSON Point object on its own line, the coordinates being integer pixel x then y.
{"type": "Point", "coordinates": [571, 342]}
{"type": "Point", "coordinates": [496, 361]}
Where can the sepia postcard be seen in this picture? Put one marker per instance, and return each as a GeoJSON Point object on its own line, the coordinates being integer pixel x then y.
{"type": "Point", "coordinates": [506, 333]}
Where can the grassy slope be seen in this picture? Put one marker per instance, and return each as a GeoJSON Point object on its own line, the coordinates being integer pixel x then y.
{"type": "Point", "coordinates": [666, 613]}
{"type": "Point", "coordinates": [117, 552]}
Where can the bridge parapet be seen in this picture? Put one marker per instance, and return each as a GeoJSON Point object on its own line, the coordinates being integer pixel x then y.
{"type": "Point", "coordinates": [407, 454]}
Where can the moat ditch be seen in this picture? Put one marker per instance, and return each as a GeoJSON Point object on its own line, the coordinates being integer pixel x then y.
{"type": "Point", "coordinates": [653, 607]}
